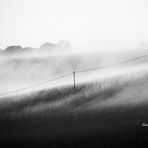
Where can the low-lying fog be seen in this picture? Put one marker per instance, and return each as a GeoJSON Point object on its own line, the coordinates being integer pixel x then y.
{"type": "Point", "coordinates": [20, 70]}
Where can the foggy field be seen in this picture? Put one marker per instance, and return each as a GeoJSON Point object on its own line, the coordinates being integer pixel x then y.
{"type": "Point", "coordinates": [105, 109]}
{"type": "Point", "coordinates": [93, 95]}
{"type": "Point", "coordinates": [74, 74]}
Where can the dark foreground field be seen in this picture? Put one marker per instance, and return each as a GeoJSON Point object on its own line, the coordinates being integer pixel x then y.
{"type": "Point", "coordinates": [102, 114]}
{"type": "Point", "coordinates": [118, 131]}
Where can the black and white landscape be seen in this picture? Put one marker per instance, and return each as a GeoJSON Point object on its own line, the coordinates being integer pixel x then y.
{"type": "Point", "coordinates": [73, 74]}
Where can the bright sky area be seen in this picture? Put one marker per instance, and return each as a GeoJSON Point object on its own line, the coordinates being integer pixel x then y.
{"type": "Point", "coordinates": [87, 24]}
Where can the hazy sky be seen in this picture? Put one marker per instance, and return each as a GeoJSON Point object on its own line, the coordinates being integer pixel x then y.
{"type": "Point", "coordinates": [88, 24]}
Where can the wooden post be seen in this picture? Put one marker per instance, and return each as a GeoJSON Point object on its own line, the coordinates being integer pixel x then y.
{"type": "Point", "coordinates": [74, 81]}
{"type": "Point", "coordinates": [83, 93]}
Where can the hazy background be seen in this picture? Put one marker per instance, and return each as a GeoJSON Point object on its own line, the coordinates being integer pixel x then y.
{"type": "Point", "coordinates": [87, 24]}
{"type": "Point", "coordinates": [47, 38]}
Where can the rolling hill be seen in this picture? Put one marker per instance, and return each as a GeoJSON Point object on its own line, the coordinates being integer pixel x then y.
{"type": "Point", "coordinates": [112, 108]}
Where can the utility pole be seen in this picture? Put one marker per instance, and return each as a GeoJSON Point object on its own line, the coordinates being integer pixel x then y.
{"type": "Point", "coordinates": [74, 81]}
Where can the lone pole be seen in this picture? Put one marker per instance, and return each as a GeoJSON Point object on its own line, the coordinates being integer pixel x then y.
{"type": "Point", "coordinates": [74, 81]}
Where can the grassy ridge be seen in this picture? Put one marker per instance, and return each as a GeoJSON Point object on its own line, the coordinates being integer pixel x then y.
{"type": "Point", "coordinates": [100, 114]}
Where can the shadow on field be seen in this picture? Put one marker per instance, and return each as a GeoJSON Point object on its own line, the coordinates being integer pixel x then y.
{"type": "Point", "coordinates": [65, 125]}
